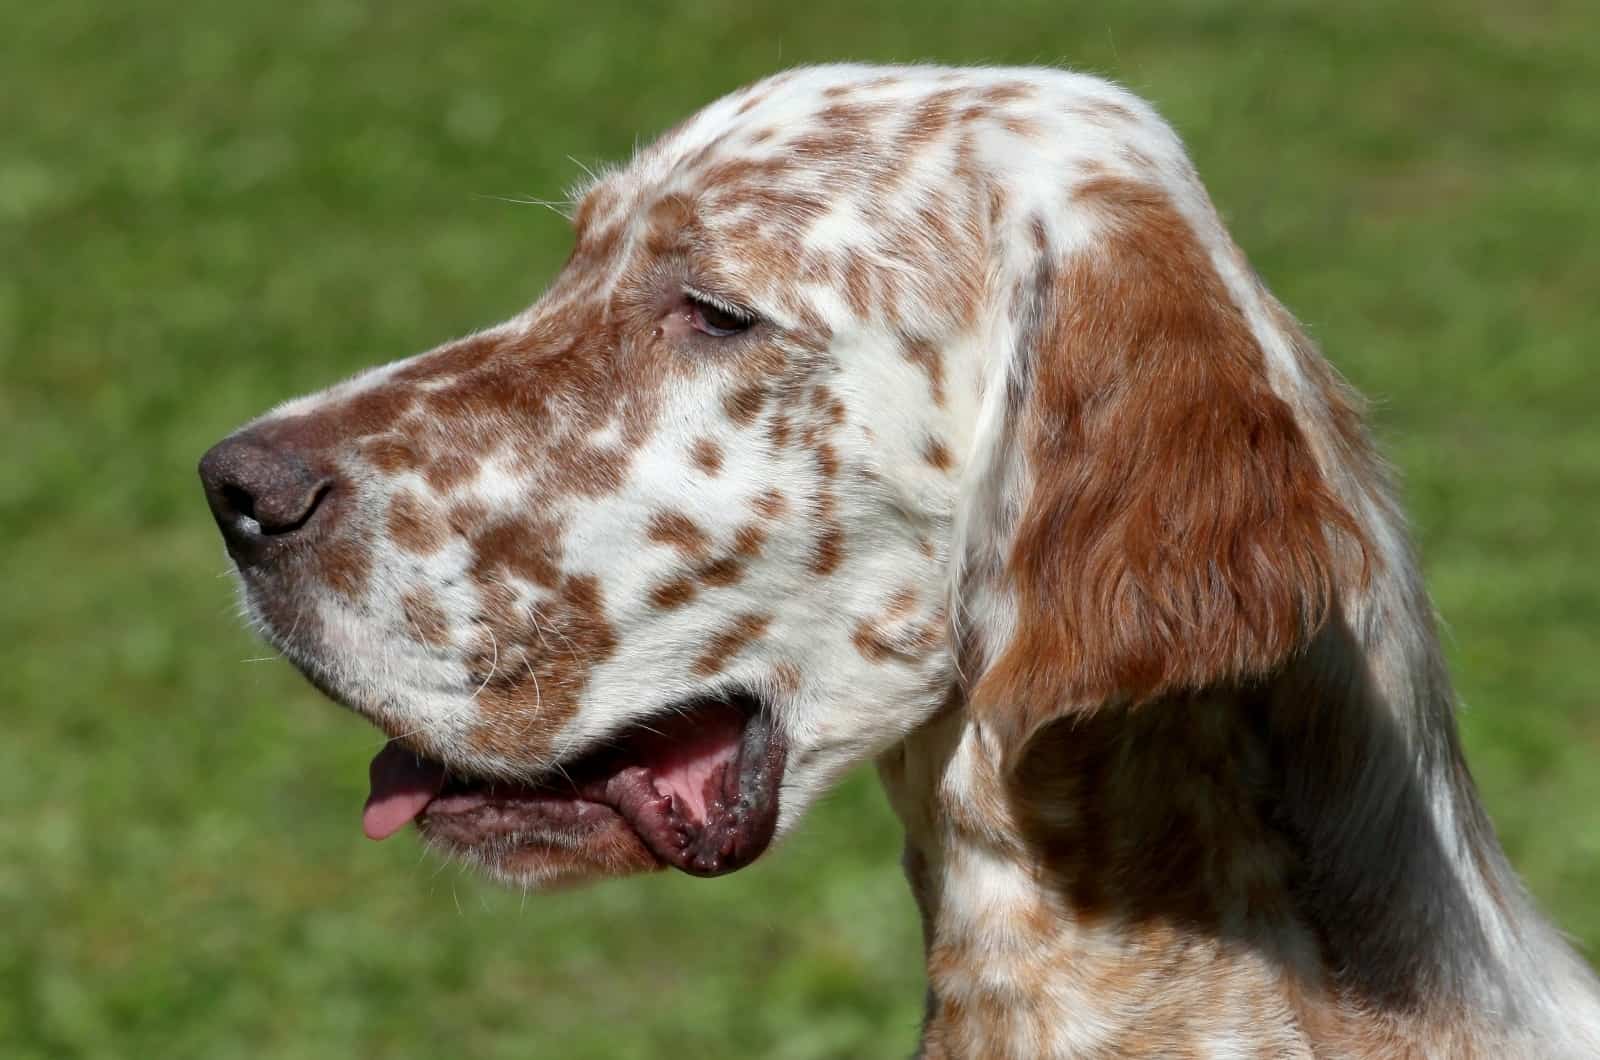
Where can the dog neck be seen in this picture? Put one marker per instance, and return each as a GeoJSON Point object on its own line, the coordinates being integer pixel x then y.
{"type": "Point", "coordinates": [1301, 868]}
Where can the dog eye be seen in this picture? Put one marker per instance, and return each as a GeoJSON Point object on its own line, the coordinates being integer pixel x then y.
{"type": "Point", "coordinates": [717, 318]}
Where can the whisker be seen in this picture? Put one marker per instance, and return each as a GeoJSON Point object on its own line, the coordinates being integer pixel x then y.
{"type": "Point", "coordinates": [587, 171]}
{"type": "Point", "coordinates": [494, 663]}
{"type": "Point", "coordinates": [560, 207]}
{"type": "Point", "coordinates": [538, 697]}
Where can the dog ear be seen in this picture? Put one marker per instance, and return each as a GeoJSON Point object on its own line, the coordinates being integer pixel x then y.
{"type": "Point", "coordinates": [1169, 526]}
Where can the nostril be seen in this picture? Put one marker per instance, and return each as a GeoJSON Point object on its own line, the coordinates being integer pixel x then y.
{"type": "Point", "coordinates": [238, 500]}
{"type": "Point", "coordinates": [260, 493]}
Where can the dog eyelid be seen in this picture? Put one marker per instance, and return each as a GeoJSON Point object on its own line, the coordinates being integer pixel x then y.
{"type": "Point", "coordinates": [715, 315]}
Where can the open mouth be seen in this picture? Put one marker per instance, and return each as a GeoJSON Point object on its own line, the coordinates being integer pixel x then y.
{"type": "Point", "coordinates": [696, 789]}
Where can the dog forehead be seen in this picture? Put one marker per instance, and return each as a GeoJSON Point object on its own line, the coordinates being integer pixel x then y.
{"type": "Point", "coordinates": [820, 194]}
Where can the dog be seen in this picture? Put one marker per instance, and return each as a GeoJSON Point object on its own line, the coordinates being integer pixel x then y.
{"type": "Point", "coordinates": [926, 416]}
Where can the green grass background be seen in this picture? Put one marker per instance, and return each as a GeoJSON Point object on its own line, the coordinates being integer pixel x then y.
{"type": "Point", "coordinates": [206, 208]}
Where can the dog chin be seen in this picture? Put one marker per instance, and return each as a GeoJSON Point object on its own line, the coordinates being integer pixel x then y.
{"type": "Point", "coordinates": [546, 862]}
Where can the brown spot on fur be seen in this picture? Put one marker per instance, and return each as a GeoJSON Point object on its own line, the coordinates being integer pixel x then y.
{"type": "Point", "coordinates": [530, 680]}
{"type": "Point", "coordinates": [997, 202]}
{"type": "Point", "coordinates": [854, 117]}
{"type": "Point", "coordinates": [1023, 127]}
{"type": "Point", "coordinates": [734, 173]}
{"type": "Point", "coordinates": [465, 517]}
{"type": "Point", "coordinates": [1091, 168]}
{"type": "Point", "coordinates": [450, 470]}
{"type": "Point", "coordinates": [893, 635]}
{"type": "Point", "coordinates": [929, 118]}
{"type": "Point", "coordinates": [374, 411]}
{"type": "Point", "coordinates": [937, 454]}
{"type": "Point", "coordinates": [707, 455]}
{"type": "Point", "coordinates": [598, 245]}
{"type": "Point", "coordinates": [574, 466]}
{"type": "Point", "coordinates": [936, 226]}
{"type": "Point", "coordinates": [680, 532]}
{"type": "Point", "coordinates": [871, 642]}
{"type": "Point", "coordinates": [415, 525]}
{"type": "Point", "coordinates": [786, 678]}
{"type": "Point", "coordinates": [827, 460]}
{"type": "Point", "coordinates": [857, 286]}
{"type": "Point", "coordinates": [721, 572]}
{"type": "Point", "coordinates": [1007, 92]}
{"type": "Point", "coordinates": [391, 454]}
{"type": "Point", "coordinates": [527, 548]}
{"type": "Point", "coordinates": [344, 564]}
{"type": "Point", "coordinates": [729, 642]}
{"type": "Point", "coordinates": [831, 144]}
{"type": "Point", "coordinates": [743, 404]}
{"type": "Point", "coordinates": [1105, 113]}
{"type": "Point", "coordinates": [770, 504]}
{"type": "Point", "coordinates": [600, 201]}
{"type": "Point", "coordinates": [425, 617]}
{"type": "Point", "coordinates": [830, 549]}
{"type": "Point", "coordinates": [812, 332]}
{"type": "Point", "coordinates": [451, 361]}
{"type": "Point", "coordinates": [674, 593]}
{"type": "Point", "coordinates": [728, 568]}
{"type": "Point", "coordinates": [667, 221]}
{"type": "Point", "coordinates": [825, 401]}
{"type": "Point", "coordinates": [748, 539]}
{"type": "Point", "coordinates": [926, 356]}
{"type": "Point", "coordinates": [778, 430]}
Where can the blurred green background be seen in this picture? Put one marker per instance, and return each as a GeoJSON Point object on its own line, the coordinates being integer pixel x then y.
{"type": "Point", "coordinates": [206, 208]}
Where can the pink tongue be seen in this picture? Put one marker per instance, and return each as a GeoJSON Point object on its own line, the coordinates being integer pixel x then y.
{"type": "Point", "coordinates": [402, 784]}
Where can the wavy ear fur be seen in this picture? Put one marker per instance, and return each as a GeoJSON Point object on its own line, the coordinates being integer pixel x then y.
{"type": "Point", "coordinates": [1173, 533]}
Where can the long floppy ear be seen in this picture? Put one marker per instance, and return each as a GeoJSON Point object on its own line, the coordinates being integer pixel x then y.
{"type": "Point", "coordinates": [1171, 528]}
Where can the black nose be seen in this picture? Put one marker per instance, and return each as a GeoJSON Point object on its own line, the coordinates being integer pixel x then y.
{"type": "Point", "coordinates": [263, 495]}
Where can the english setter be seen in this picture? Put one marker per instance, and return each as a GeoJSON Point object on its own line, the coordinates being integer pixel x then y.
{"type": "Point", "coordinates": [928, 416]}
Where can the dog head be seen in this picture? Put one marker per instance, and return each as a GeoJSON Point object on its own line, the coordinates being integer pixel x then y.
{"type": "Point", "coordinates": [778, 462]}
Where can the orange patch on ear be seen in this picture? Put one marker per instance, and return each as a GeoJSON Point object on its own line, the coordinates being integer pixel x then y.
{"type": "Point", "coordinates": [1175, 535]}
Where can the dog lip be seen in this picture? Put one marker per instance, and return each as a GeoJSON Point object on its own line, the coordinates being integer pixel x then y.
{"type": "Point", "coordinates": [740, 800]}
{"type": "Point", "coordinates": [697, 789]}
